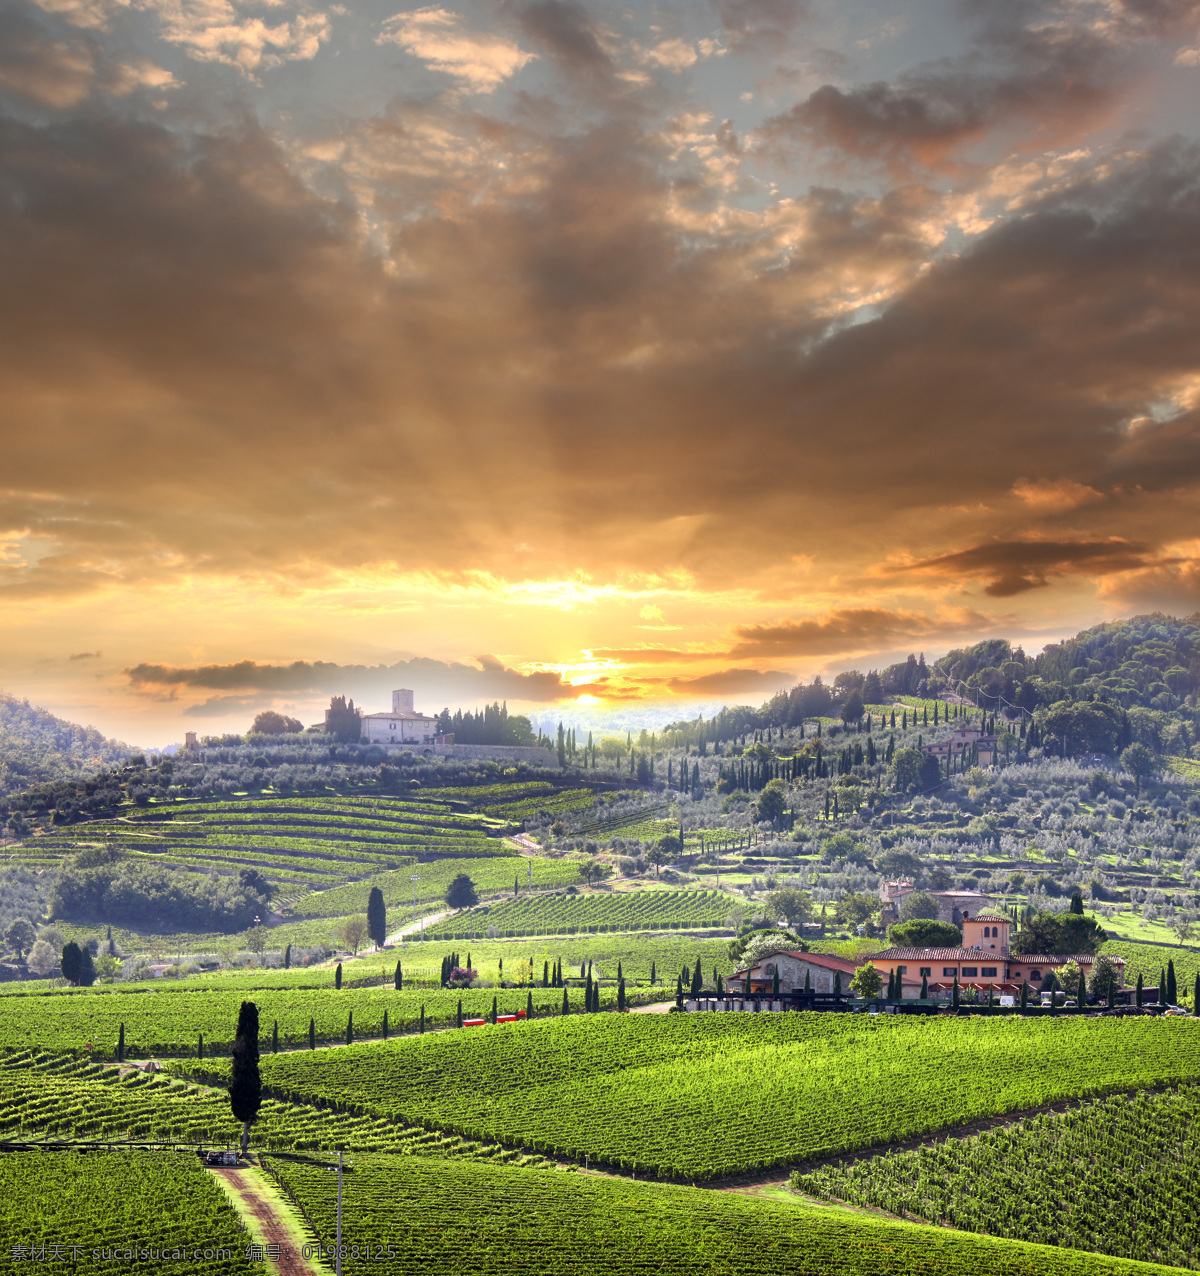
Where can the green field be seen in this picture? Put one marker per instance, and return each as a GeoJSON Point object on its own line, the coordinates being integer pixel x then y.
{"type": "Point", "coordinates": [169, 1021]}
{"type": "Point", "coordinates": [1148, 959]}
{"type": "Point", "coordinates": [661, 1094]}
{"type": "Point", "coordinates": [489, 875]}
{"type": "Point", "coordinates": [465, 1218]}
{"type": "Point", "coordinates": [118, 1200]}
{"type": "Point", "coordinates": [1118, 1176]}
{"type": "Point", "coordinates": [568, 914]}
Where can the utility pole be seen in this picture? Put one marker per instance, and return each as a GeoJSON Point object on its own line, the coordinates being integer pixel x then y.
{"type": "Point", "coordinates": [338, 1242]}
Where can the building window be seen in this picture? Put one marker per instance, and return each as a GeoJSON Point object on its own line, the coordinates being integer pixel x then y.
{"type": "Point", "coordinates": [926, 970]}
{"type": "Point", "coordinates": [972, 971]}
{"type": "Point", "coordinates": [949, 970]}
{"type": "Point", "coordinates": [1035, 974]}
{"type": "Point", "coordinates": [988, 970]}
{"type": "Point", "coordinates": [392, 725]}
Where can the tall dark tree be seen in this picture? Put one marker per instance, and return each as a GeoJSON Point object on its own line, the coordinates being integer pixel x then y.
{"type": "Point", "coordinates": [87, 968]}
{"type": "Point", "coordinates": [287, 957]}
{"type": "Point", "coordinates": [398, 977]}
{"type": "Point", "coordinates": [376, 917]}
{"type": "Point", "coordinates": [337, 975]}
{"type": "Point", "coordinates": [72, 961]}
{"type": "Point", "coordinates": [245, 1082]}
{"type": "Point", "coordinates": [1171, 988]}
{"type": "Point", "coordinates": [461, 893]}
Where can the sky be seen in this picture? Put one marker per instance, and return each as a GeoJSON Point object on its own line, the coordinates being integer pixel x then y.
{"type": "Point", "coordinates": [603, 358]}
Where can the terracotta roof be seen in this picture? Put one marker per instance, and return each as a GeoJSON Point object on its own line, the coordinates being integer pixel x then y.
{"type": "Point", "coordinates": [407, 717]}
{"type": "Point", "coordinates": [990, 915]}
{"type": "Point", "coordinates": [940, 954]}
{"type": "Point", "coordinates": [828, 960]}
{"type": "Point", "coordinates": [1061, 959]}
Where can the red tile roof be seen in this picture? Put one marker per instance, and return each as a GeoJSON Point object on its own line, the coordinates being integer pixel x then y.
{"type": "Point", "coordinates": [939, 954]}
{"type": "Point", "coordinates": [828, 960]}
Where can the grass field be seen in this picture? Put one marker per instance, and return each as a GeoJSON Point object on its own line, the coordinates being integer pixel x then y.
{"type": "Point", "coordinates": [468, 1219]}
{"type": "Point", "coordinates": [1118, 1176]}
{"type": "Point", "coordinates": [662, 1093]}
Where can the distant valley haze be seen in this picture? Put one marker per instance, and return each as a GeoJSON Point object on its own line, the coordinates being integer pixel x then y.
{"type": "Point", "coordinates": [614, 361]}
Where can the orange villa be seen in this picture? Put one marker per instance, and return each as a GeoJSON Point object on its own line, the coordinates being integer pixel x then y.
{"type": "Point", "coordinates": [984, 961]}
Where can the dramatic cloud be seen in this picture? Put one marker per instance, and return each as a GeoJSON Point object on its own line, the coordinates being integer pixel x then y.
{"type": "Point", "coordinates": [441, 40]}
{"type": "Point", "coordinates": [1016, 566]}
{"type": "Point", "coordinates": [312, 320]}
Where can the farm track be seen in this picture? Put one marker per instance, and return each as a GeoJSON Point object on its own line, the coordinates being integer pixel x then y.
{"type": "Point", "coordinates": [256, 1200]}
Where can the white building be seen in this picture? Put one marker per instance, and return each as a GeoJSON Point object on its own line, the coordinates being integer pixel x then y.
{"type": "Point", "coordinates": [402, 726]}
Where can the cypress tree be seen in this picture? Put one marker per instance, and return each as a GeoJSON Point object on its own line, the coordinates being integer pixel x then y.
{"type": "Point", "coordinates": [1024, 994]}
{"type": "Point", "coordinates": [398, 978]}
{"type": "Point", "coordinates": [121, 1045]}
{"type": "Point", "coordinates": [1172, 991]}
{"type": "Point", "coordinates": [719, 984]}
{"type": "Point", "coordinates": [350, 1028]}
{"type": "Point", "coordinates": [620, 972]}
{"type": "Point", "coordinates": [774, 980]}
{"type": "Point", "coordinates": [422, 1027]}
{"type": "Point", "coordinates": [566, 1006]}
{"type": "Point", "coordinates": [529, 1005]}
{"type": "Point", "coordinates": [460, 1012]}
{"type": "Point", "coordinates": [337, 975]}
{"type": "Point", "coordinates": [376, 917]}
{"type": "Point", "coordinates": [621, 994]}
{"type": "Point", "coordinates": [1137, 996]}
{"type": "Point", "coordinates": [587, 994]}
{"type": "Point", "coordinates": [679, 989]}
{"type": "Point", "coordinates": [275, 1037]}
{"type": "Point", "coordinates": [1112, 990]}
{"type": "Point", "coordinates": [1081, 994]}
{"type": "Point", "coordinates": [807, 980]}
{"type": "Point", "coordinates": [837, 983]}
{"type": "Point", "coordinates": [545, 974]}
{"type": "Point", "coordinates": [954, 993]}
{"type": "Point", "coordinates": [245, 1083]}
{"type": "Point", "coordinates": [698, 981]}
{"type": "Point", "coordinates": [312, 1034]}
{"type": "Point", "coordinates": [1196, 995]}
{"type": "Point", "coordinates": [1162, 985]}
{"type": "Point", "coordinates": [653, 977]}
{"type": "Point", "coordinates": [287, 957]}
{"type": "Point", "coordinates": [924, 987]}
{"type": "Point", "coordinates": [495, 1012]}
{"type": "Point", "coordinates": [385, 1026]}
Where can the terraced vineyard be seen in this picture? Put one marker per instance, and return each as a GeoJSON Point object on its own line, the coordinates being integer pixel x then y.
{"type": "Point", "coordinates": [169, 1022]}
{"type": "Point", "coordinates": [660, 1094]}
{"type": "Point", "coordinates": [117, 1201]}
{"type": "Point", "coordinates": [1118, 1176]}
{"type": "Point", "coordinates": [465, 1218]}
{"type": "Point", "coordinates": [302, 843]}
{"type": "Point", "coordinates": [49, 1097]}
{"type": "Point", "coordinates": [581, 914]}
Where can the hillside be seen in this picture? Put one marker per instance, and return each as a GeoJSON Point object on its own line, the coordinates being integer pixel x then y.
{"type": "Point", "coordinates": [38, 748]}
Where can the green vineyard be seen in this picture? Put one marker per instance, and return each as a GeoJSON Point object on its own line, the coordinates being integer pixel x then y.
{"type": "Point", "coordinates": [499, 873]}
{"type": "Point", "coordinates": [1119, 1175]}
{"type": "Point", "coordinates": [116, 1212]}
{"type": "Point", "coordinates": [583, 914]}
{"type": "Point", "coordinates": [660, 1094]}
{"type": "Point", "coordinates": [170, 1022]}
{"type": "Point", "coordinates": [472, 1219]}
{"type": "Point", "coordinates": [47, 1097]}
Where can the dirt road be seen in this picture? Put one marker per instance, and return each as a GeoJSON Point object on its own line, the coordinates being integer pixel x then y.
{"type": "Point", "coordinates": [269, 1217]}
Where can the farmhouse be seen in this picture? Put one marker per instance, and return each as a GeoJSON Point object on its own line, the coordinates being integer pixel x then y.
{"type": "Point", "coordinates": [798, 972]}
{"type": "Point", "coordinates": [984, 961]}
{"type": "Point", "coordinates": [962, 740]}
{"type": "Point", "coordinates": [402, 726]}
{"type": "Point", "coordinates": [954, 907]}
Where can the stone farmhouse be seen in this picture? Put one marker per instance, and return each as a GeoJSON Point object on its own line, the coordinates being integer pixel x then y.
{"type": "Point", "coordinates": [403, 725]}
{"type": "Point", "coordinates": [961, 741]}
{"type": "Point", "coordinates": [798, 972]}
{"type": "Point", "coordinates": [953, 906]}
{"type": "Point", "coordinates": [984, 961]}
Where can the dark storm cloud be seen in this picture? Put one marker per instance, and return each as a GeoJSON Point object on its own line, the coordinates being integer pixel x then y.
{"type": "Point", "coordinates": [564, 31]}
{"type": "Point", "coordinates": [1012, 567]}
{"type": "Point", "coordinates": [846, 630]}
{"type": "Point", "coordinates": [430, 679]}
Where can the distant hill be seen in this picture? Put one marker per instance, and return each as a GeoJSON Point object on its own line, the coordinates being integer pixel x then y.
{"type": "Point", "coordinates": [1148, 661]}
{"type": "Point", "coordinates": [38, 748]}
